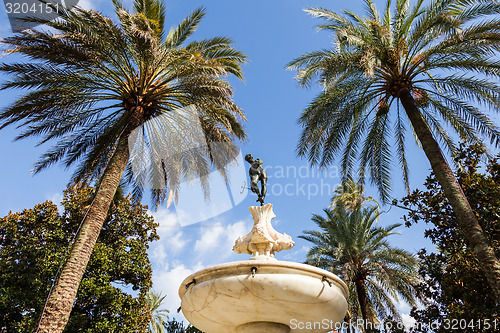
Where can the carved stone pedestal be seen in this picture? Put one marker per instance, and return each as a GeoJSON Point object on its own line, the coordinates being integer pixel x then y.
{"type": "Point", "coordinates": [262, 294]}
{"type": "Point", "coordinates": [263, 241]}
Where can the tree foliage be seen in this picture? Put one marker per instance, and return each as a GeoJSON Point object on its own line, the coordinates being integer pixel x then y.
{"type": "Point", "coordinates": [454, 283]}
{"type": "Point", "coordinates": [351, 245]}
{"type": "Point", "coordinates": [429, 53]}
{"type": "Point", "coordinates": [159, 316]}
{"type": "Point", "coordinates": [174, 326]}
{"type": "Point", "coordinates": [351, 194]}
{"type": "Point", "coordinates": [405, 69]}
{"type": "Point", "coordinates": [33, 243]}
{"type": "Point", "coordinates": [93, 86]}
{"type": "Point", "coordinates": [96, 80]}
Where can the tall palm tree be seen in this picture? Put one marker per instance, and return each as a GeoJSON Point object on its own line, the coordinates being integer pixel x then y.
{"type": "Point", "coordinates": [349, 245]}
{"type": "Point", "coordinates": [95, 82]}
{"type": "Point", "coordinates": [425, 58]}
{"type": "Point", "coordinates": [350, 193]}
{"type": "Point", "coordinates": [159, 316]}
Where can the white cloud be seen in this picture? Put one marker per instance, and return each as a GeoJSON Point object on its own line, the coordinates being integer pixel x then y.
{"type": "Point", "coordinates": [408, 321]}
{"type": "Point", "coordinates": [403, 307]}
{"type": "Point", "coordinates": [168, 282]}
{"type": "Point", "coordinates": [233, 231]}
{"type": "Point", "coordinates": [158, 254]}
{"type": "Point", "coordinates": [166, 219]}
{"type": "Point", "coordinates": [210, 238]}
{"type": "Point", "coordinates": [56, 198]}
{"type": "Point", "coordinates": [216, 237]}
{"type": "Point", "coordinates": [169, 244]}
{"type": "Point", "coordinates": [175, 256]}
{"type": "Point", "coordinates": [275, 222]}
{"type": "Point", "coordinates": [177, 241]}
{"type": "Point", "coordinates": [295, 254]}
{"type": "Point", "coordinates": [172, 239]}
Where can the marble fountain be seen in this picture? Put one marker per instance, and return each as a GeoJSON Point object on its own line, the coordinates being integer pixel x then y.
{"type": "Point", "coordinates": [263, 294]}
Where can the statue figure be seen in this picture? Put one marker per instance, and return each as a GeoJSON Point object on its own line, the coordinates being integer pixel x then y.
{"type": "Point", "coordinates": [262, 241]}
{"type": "Point", "coordinates": [257, 173]}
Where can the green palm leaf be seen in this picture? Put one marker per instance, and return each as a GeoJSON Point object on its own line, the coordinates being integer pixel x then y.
{"type": "Point", "coordinates": [437, 61]}
{"type": "Point", "coordinates": [159, 316]}
{"type": "Point", "coordinates": [349, 244]}
{"type": "Point", "coordinates": [94, 82]}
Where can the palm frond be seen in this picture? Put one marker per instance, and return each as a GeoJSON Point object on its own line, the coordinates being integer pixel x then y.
{"type": "Point", "coordinates": [96, 79]}
{"type": "Point", "coordinates": [433, 50]}
{"type": "Point", "coordinates": [176, 36]}
{"type": "Point", "coordinates": [350, 244]}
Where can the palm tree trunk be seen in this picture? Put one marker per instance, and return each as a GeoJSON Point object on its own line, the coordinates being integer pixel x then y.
{"type": "Point", "coordinates": [348, 320]}
{"type": "Point", "coordinates": [363, 305]}
{"type": "Point", "coordinates": [466, 219]}
{"type": "Point", "coordinates": [62, 297]}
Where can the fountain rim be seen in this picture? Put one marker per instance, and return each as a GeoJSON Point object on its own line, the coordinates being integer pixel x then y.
{"type": "Point", "coordinates": [314, 272]}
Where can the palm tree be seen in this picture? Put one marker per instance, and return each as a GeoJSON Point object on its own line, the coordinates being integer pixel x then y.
{"type": "Point", "coordinates": [350, 193]}
{"type": "Point", "coordinates": [159, 316]}
{"type": "Point", "coordinates": [349, 245]}
{"type": "Point", "coordinates": [174, 326]}
{"type": "Point", "coordinates": [95, 82]}
{"type": "Point", "coordinates": [423, 58]}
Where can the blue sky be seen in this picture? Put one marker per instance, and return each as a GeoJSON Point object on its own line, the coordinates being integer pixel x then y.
{"type": "Point", "coordinates": [271, 33]}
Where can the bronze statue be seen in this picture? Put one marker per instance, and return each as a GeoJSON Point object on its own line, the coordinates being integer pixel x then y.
{"type": "Point", "coordinates": [257, 173]}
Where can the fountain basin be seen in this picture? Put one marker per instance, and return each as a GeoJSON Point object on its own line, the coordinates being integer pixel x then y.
{"type": "Point", "coordinates": [263, 296]}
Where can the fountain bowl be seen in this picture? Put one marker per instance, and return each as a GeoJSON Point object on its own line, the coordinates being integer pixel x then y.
{"type": "Point", "coordinates": [263, 296]}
